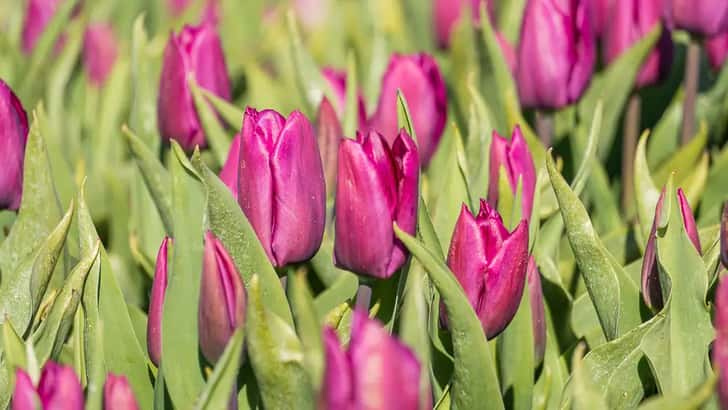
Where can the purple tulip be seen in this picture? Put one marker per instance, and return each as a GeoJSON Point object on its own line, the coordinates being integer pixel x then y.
{"type": "Point", "coordinates": [229, 171]}
{"type": "Point", "coordinates": [196, 51]}
{"type": "Point", "coordinates": [705, 18]}
{"type": "Point", "coordinates": [99, 52]}
{"type": "Point", "coordinates": [13, 136]}
{"type": "Point", "coordinates": [376, 372]}
{"type": "Point", "coordinates": [490, 263]}
{"type": "Point", "coordinates": [37, 16]}
{"type": "Point", "coordinates": [376, 186]}
{"type": "Point", "coordinates": [446, 14]}
{"type": "Point", "coordinates": [538, 318]}
{"type": "Point", "coordinates": [118, 395]}
{"type": "Point", "coordinates": [58, 389]}
{"type": "Point", "coordinates": [337, 81]}
{"type": "Point", "coordinates": [717, 49]}
{"type": "Point", "coordinates": [281, 184]}
{"type": "Point", "coordinates": [651, 288]}
{"type": "Point", "coordinates": [422, 85]}
{"type": "Point", "coordinates": [557, 78]}
{"type": "Point", "coordinates": [600, 10]}
{"type": "Point", "coordinates": [156, 302]}
{"type": "Point", "coordinates": [720, 347]}
{"type": "Point", "coordinates": [515, 158]}
{"type": "Point", "coordinates": [24, 395]}
{"type": "Point", "coordinates": [222, 299]}
{"type": "Point", "coordinates": [329, 132]}
{"type": "Point", "coordinates": [630, 21]}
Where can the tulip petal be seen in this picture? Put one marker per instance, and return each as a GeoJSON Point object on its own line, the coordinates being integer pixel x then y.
{"type": "Point", "coordinates": [337, 387]}
{"type": "Point", "coordinates": [59, 388]}
{"type": "Point", "coordinates": [688, 220]}
{"type": "Point", "coordinates": [229, 171]}
{"type": "Point", "coordinates": [24, 396]}
{"type": "Point", "coordinates": [651, 290]}
{"type": "Point", "coordinates": [467, 258]}
{"type": "Point", "coordinates": [329, 133]}
{"type": "Point", "coordinates": [13, 137]}
{"type": "Point", "coordinates": [407, 161]}
{"type": "Point", "coordinates": [156, 302]}
{"type": "Point", "coordinates": [118, 395]}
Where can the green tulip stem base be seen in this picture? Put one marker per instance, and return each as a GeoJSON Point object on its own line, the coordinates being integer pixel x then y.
{"type": "Point", "coordinates": [545, 127]}
{"type": "Point", "coordinates": [692, 71]}
{"type": "Point", "coordinates": [629, 144]}
{"type": "Point", "coordinates": [363, 296]}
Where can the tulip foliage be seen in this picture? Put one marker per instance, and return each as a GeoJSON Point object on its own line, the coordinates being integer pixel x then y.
{"type": "Point", "coordinates": [335, 205]}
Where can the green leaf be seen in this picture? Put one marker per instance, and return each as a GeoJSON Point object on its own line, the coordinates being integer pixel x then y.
{"type": "Point", "coordinates": [13, 348]}
{"type": "Point", "coordinates": [351, 109]}
{"type": "Point", "coordinates": [307, 326]}
{"type": "Point", "coordinates": [547, 392]}
{"type": "Point", "coordinates": [516, 356]}
{"type": "Point", "coordinates": [473, 358]}
{"type": "Point", "coordinates": [276, 356]}
{"type": "Point", "coordinates": [584, 393]}
{"type": "Point", "coordinates": [646, 193]}
{"type": "Point", "coordinates": [228, 222]}
{"type": "Point", "coordinates": [615, 297]}
{"type": "Point", "coordinates": [215, 134]}
{"type": "Point", "coordinates": [222, 383]}
{"type": "Point", "coordinates": [589, 155]}
{"type": "Point", "coordinates": [180, 351]}
{"type": "Point", "coordinates": [230, 113]}
{"type": "Point", "coordinates": [510, 15]}
{"type": "Point", "coordinates": [697, 399]}
{"type": "Point", "coordinates": [404, 119]}
{"type": "Point", "coordinates": [143, 115]}
{"type": "Point", "coordinates": [683, 160]}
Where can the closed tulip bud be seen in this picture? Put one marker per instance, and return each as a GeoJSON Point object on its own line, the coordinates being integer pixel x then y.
{"type": "Point", "coordinates": [13, 136]}
{"type": "Point", "coordinates": [447, 13]}
{"type": "Point", "coordinates": [337, 81]}
{"type": "Point", "coordinates": [222, 299]}
{"type": "Point", "coordinates": [376, 372]}
{"type": "Point", "coordinates": [651, 287]}
{"type": "Point", "coordinates": [118, 394]}
{"type": "Point", "coordinates": [558, 78]}
{"type": "Point", "coordinates": [421, 83]}
{"type": "Point", "coordinates": [229, 171]}
{"type": "Point", "coordinates": [514, 157]}
{"type": "Point", "coordinates": [37, 16]}
{"type": "Point", "coordinates": [705, 18]}
{"type": "Point", "coordinates": [720, 347]}
{"type": "Point", "coordinates": [538, 319]}
{"type": "Point", "coordinates": [24, 395]}
{"type": "Point", "coordinates": [717, 48]}
{"type": "Point", "coordinates": [631, 20]}
{"type": "Point", "coordinates": [724, 236]}
{"type": "Point", "coordinates": [99, 52]}
{"type": "Point", "coordinates": [330, 133]}
{"type": "Point", "coordinates": [281, 184]}
{"type": "Point", "coordinates": [156, 302]}
{"type": "Point", "coordinates": [376, 186]}
{"type": "Point", "coordinates": [600, 11]}
{"type": "Point", "coordinates": [195, 52]}
{"type": "Point", "coordinates": [490, 264]}
{"type": "Point", "coordinates": [59, 388]}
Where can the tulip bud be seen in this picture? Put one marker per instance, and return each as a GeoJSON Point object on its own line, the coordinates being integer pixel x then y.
{"type": "Point", "coordinates": [724, 236]}
{"type": "Point", "coordinates": [376, 372]}
{"type": "Point", "coordinates": [337, 81]}
{"type": "Point", "coordinates": [447, 13]}
{"type": "Point", "coordinates": [13, 136]}
{"type": "Point", "coordinates": [651, 286]}
{"type": "Point", "coordinates": [630, 21]}
{"type": "Point", "coordinates": [717, 49]}
{"type": "Point", "coordinates": [699, 17]}
{"type": "Point", "coordinates": [24, 395]}
{"type": "Point", "coordinates": [59, 388]}
{"type": "Point", "coordinates": [229, 171]}
{"type": "Point", "coordinates": [376, 186]}
{"type": "Point", "coordinates": [281, 184]}
{"type": "Point", "coordinates": [490, 264]}
{"type": "Point", "coordinates": [720, 347]}
{"type": "Point", "coordinates": [558, 78]}
{"type": "Point", "coordinates": [156, 302]}
{"type": "Point", "coordinates": [538, 319]}
{"type": "Point", "coordinates": [222, 299]}
{"type": "Point", "coordinates": [515, 158]}
{"type": "Point", "coordinates": [197, 52]}
{"type": "Point", "coordinates": [329, 132]}
{"type": "Point", "coordinates": [118, 395]}
{"type": "Point", "coordinates": [423, 87]}
{"type": "Point", "coordinates": [99, 52]}
{"type": "Point", "coordinates": [600, 11]}
{"type": "Point", "coordinates": [37, 16]}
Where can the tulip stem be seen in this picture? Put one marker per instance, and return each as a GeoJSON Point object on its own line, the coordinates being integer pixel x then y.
{"type": "Point", "coordinates": [692, 71]}
{"type": "Point", "coordinates": [544, 127]}
{"type": "Point", "coordinates": [631, 129]}
{"type": "Point", "coordinates": [363, 296]}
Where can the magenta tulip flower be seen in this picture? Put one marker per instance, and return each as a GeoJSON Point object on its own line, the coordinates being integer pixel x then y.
{"type": "Point", "coordinates": [281, 184]}
{"type": "Point", "coordinates": [330, 134]}
{"type": "Point", "coordinates": [118, 395]}
{"type": "Point", "coordinates": [375, 372]}
{"type": "Point", "coordinates": [99, 52]}
{"type": "Point", "coordinates": [651, 288]}
{"type": "Point", "coordinates": [600, 11]}
{"type": "Point", "coordinates": [197, 52]}
{"type": "Point", "coordinates": [717, 49]}
{"type": "Point", "coordinates": [57, 389]}
{"type": "Point", "coordinates": [37, 16]}
{"type": "Point", "coordinates": [337, 81]}
{"type": "Point", "coordinates": [447, 13]}
{"type": "Point", "coordinates": [703, 18]}
{"type": "Point", "coordinates": [156, 302]}
{"type": "Point", "coordinates": [538, 318]}
{"type": "Point", "coordinates": [490, 263]}
{"type": "Point", "coordinates": [222, 299]}
{"type": "Point", "coordinates": [630, 21]}
{"type": "Point", "coordinates": [515, 159]}
{"type": "Point", "coordinates": [423, 87]}
{"type": "Point", "coordinates": [377, 185]}
{"type": "Point", "coordinates": [13, 137]}
{"type": "Point", "coordinates": [557, 78]}
{"type": "Point", "coordinates": [720, 347]}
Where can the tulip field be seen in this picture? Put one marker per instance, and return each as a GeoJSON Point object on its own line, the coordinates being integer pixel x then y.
{"type": "Point", "coordinates": [363, 204]}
